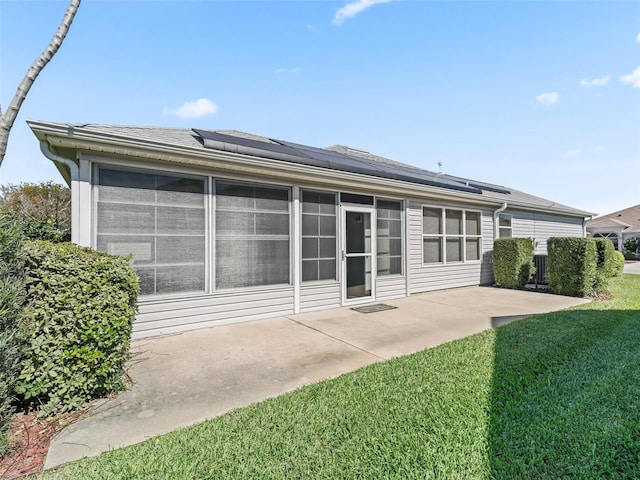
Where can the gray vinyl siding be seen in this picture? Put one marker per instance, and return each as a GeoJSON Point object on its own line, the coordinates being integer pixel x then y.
{"type": "Point", "coordinates": [161, 317]}
{"type": "Point", "coordinates": [438, 276]}
{"type": "Point", "coordinates": [319, 296]}
{"type": "Point", "coordinates": [393, 286]}
{"type": "Point", "coordinates": [541, 227]}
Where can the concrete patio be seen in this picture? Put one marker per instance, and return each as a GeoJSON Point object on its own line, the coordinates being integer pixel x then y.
{"type": "Point", "coordinates": [182, 379]}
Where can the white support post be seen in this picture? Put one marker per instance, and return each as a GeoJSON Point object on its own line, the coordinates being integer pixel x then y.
{"type": "Point", "coordinates": [297, 240]}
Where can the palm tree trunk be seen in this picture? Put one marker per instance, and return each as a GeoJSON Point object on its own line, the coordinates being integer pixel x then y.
{"type": "Point", "coordinates": [9, 117]}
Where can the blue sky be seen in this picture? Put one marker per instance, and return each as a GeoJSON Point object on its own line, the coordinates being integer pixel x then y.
{"type": "Point", "coordinates": [541, 96]}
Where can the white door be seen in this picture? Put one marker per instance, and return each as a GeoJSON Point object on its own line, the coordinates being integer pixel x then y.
{"type": "Point", "coordinates": [358, 255]}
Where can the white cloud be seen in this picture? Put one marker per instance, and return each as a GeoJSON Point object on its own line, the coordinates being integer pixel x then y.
{"type": "Point", "coordinates": [638, 38]}
{"type": "Point", "coordinates": [548, 98]}
{"type": "Point", "coordinates": [352, 9]}
{"type": "Point", "coordinates": [596, 82]}
{"type": "Point", "coordinates": [196, 109]}
{"type": "Point", "coordinates": [632, 78]}
{"type": "Point", "coordinates": [287, 70]}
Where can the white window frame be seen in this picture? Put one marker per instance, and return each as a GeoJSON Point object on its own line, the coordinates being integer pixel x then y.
{"type": "Point", "coordinates": [505, 216]}
{"type": "Point", "coordinates": [213, 215]}
{"type": "Point", "coordinates": [443, 235]}
{"type": "Point", "coordinates": [337, 235]}
{"type": "Point", "coordinates": [402, 234]}
{"type": "Point", "coordinates": [97, 166]}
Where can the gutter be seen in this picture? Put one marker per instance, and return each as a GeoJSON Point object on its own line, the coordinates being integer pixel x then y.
{"type": "Point", "coordinates": [245, 164]}
{"type": "Point", "coordinates": [74, 172]}
{"type": "Point", "coordinates": [496, 212]}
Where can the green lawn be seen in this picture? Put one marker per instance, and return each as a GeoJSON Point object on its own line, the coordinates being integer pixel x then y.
{"type": "Point", "coordinates": [555, 396]}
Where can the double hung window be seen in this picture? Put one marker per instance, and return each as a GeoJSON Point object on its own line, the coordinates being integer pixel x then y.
{"type": "Point", "coordinates": [504, 225]}
{"type": "Point", "coordinates": [450, 235]}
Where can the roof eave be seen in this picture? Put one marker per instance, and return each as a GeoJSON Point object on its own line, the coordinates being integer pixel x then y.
{"type": "Point", "coordinates": [60, 135]}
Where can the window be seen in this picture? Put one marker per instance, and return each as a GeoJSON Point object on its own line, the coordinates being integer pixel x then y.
{"type": "Point", "coordinates": [161, 221]}
{"type": "Point", "coordinates": [504, 225]}
{"type": "Point", "coordinates": [252, 235]}
{"type": "Point", "coordinates": [432, 235]}
{"type": "Point", "coordinates": [450, 235]}
{"type": "Point", "coordinates": [318, 236]}
{"type": "Point", "coordinates": [389, 237]}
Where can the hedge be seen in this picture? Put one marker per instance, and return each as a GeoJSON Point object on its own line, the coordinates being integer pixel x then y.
{"type": "Point", "coordinates": [606, 266]}
{"type": "Point", "coordinates": [571, 265]}
{"type": "Point", "coordinates": [512, 261]}
{"type": "Point", "coordinates": [12, 291]}
{"type": "Point", "coordinates": [619, 263]}
{"type": "Point", "coordinates": [78, 322]}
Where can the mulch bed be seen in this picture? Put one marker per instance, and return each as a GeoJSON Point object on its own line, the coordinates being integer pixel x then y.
{"type": "Point", "coordinates": [29, 439]}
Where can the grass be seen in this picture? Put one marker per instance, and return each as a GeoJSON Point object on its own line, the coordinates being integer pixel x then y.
{"type": "Point", "coordinates": [554, 396]}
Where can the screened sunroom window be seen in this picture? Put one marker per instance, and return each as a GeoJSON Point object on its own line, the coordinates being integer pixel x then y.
{"type": "Point", "coordinates": [389, 237]}
{"type": "Point", "coordinates": [252, 235]}
{"type": "Point", "coordinates": [161, 221]}
{"type": "Point", "coordinates": [318, 236]}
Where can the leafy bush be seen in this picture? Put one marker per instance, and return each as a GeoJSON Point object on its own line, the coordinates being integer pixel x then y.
{"type": "Point", "coordinates": [44, 209]}
{"type": "Point", "coordinates": [512, 261]}
{"type": "Point", "coordinates": [606, 266]}
{"type": "Point", "coordinates": [11, 300]}
{"type": "Point", "coordinates": [571, 265]}
{"type": "Point", "coordinates": [619, 263]}
{"type": "Point", "coordinates": [632, 245]}
{"type": "Point", "coordinates": [79, 321]}
{"type": "Point", "coordinates": [629, 255]}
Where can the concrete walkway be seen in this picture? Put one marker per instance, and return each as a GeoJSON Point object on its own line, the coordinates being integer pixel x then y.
{"type": "Point", "coordinates": [632, 267]}
{"type": "Point", "coordinates": [183, 379]}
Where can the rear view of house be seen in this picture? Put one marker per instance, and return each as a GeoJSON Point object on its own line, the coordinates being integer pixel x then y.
{"type": "Point", "coordinates": [225, 226]}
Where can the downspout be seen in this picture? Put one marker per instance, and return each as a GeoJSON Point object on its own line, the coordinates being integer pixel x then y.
{"type": "Point", "coordinates": [585, 220]}
{"type": "Point", "coordinates": [74, 171]}
{"type": "Point", "coordinates": [496, 212]}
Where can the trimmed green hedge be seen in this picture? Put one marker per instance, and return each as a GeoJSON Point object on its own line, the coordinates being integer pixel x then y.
{"type": "Point", "coordinates": [78, 324]}
{"type": "Point", "coordinates": [606, 267]}
{"type": "Point", "coordinates": [571, 265]}
{"type": "Point", "coordinates": [12, 292]}
{"type": "Point", "coordinates": [512, 261]}
{"type": "Point", "coordinates": [619, 263]}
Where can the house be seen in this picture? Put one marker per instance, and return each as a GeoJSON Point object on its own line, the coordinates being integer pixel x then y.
{"type": "Point", "coordinates": [226, 226]}
{"type": "Point", "coordinates": [617, 226]}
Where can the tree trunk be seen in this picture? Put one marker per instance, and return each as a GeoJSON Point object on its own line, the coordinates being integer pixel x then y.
{"type": "Point", "coordinates": [9, 117]}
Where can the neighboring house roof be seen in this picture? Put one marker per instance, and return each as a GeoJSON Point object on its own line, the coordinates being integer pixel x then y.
{"type": "Point", "coordinates": [216, 148]}
{"type": "Point", "coordinates": [628, 220]}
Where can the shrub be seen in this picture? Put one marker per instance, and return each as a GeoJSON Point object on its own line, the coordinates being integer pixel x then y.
{"type": "Point", "coordinates": [606, 266]}
{"type": "Point", "coordinates": [619, 263]}
{"type": "Point", "coordinates": [632, 245]}
{"type": "Point", "coordinates": [11, 300]}
{"type": "Point", "coordinates": [512, 261]}
{"type": "Point", "coordinates": [629, 255]}
{"type": "Point", "coordinates": [571, 265]}
{"type": "Point", "coordinates": [79, 321]}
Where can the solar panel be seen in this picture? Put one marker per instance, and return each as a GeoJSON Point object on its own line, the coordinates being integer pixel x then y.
{"type": "Point", "coordinates": [330, 159]}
